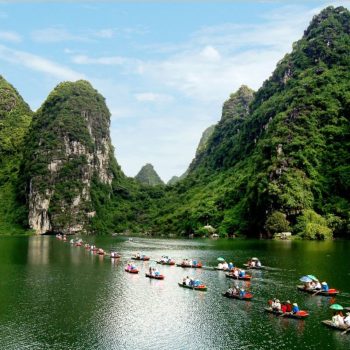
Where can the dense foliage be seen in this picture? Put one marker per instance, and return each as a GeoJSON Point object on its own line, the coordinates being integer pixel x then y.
{"type": "Point", "coordinates": [15, 118]}
{"type": "Point", "coordinates": [284, 149]}
{"type": "Point", "coordinates": [278, 159]}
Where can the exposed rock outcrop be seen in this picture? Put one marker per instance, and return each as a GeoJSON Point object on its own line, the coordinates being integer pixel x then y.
{"type": "Point", "coordinates": [69, 149]}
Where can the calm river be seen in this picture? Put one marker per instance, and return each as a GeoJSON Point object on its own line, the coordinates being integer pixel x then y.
{"type": "Point", "coordinates": [57, 296]}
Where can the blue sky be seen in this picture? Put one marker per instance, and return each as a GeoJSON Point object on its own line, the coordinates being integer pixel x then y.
{"type": "Point", "coordinates": [164, 68]}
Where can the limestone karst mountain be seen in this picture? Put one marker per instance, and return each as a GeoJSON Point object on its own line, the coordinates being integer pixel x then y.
{"type": "Point", "coordinates": [148, 176]}
{"type": "Point", "coordinates": [69, 150]}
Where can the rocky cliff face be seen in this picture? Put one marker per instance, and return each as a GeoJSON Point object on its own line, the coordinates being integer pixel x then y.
{"type": "Point", "coordinates": [69, 149]}
{"type": "Point", "coordinates": [148, 176]}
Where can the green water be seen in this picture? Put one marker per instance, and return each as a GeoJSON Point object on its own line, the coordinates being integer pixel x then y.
{"type": "Point", "coordinates": [56, 296]}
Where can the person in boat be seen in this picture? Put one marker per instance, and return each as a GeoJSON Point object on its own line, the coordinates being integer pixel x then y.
{"type": "Point", "coordinates": [220, 266]}
{"type": "Point", "coordinates": [184, 281]}
{"type": "Point", "coordinates": [241, 292]}
{"type": "Point", "coordinates": [230, 265]}
{"type": "Point", "coordinates": [258, 263]}
{"type": "Point", "coordinates": [187, 281]}
{"type": "Point", "coordinates": [295, 308]}
{"type": "Point", "coordinates": [347, 319]}
{"type": "Point", "coordinates": [288, 305]}
{"type": "Point", "coordinates": [225, 265]}
{"type": "Point", "coordinates": [252, 263]}
{"type": "Point", "coordinates": [150, 271]}
{"type": "Point", "coordinates": [317, 285]}
{"type": "Point", "coordinates": [233, 290]}
{"type": "Point", "coordinates": [236, 273]}
{"type": "Point", "coordinates": [324, 287]}
{"type": "Point", "coordinates": [156, 272]}
{"type": "Point", "coordinates": [338, 320]}
{"type": "Point", "coordinates": [241, 273]}
{"type": "Point", "coordinates": [196, 283]}
{"type": "Point", "coordinates": [276, 305]}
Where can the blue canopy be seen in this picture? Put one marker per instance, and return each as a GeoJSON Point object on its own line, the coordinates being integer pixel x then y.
{"type": "Point", "coordinates": [312, 277]}
{"type": "Point", "coordinates": [305, 279]}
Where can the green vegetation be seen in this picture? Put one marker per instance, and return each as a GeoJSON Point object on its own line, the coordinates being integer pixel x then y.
{"type": "Point", "coordinates": [278, 160]}
{"type": "Point", "coordinates": [283, 149]}
{"type": "Point", "coordinates": [15, 118]}
{"type": "Point", "coordinates": [148, 176]}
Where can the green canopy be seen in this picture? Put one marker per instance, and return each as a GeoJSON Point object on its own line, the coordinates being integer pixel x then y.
{"type": "Point", "coordinates": [220, 259]}
{"type": "Point", "coordinates": [336, 307]}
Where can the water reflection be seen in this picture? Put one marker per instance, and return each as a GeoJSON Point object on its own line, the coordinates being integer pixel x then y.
{"type": "Point", "coordinates": [69, 298]}
{"type": "Point", "coordinates": [39, 250]}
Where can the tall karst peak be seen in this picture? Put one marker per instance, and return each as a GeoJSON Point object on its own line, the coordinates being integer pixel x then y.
{"type": "Point", "coordinates": [148, 176]}
{"type": "Point", "coordinates": [69, 150]}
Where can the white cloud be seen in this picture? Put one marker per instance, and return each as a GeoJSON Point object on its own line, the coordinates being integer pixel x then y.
{"type": "Point", "coordinates": [38, 63]}
{"type": "Point", "coordinates": [105, 33]}
{"type": "Point", "coordinates": [210, 53]}
{"type": "Point", "coordinates": [152, 97]}
{"type": "Point", "coordinates": [107, 60]}
{"type": "Point", "coordinates": [55, 35]}
{"type": "Point", "coordinates": [10, 36]}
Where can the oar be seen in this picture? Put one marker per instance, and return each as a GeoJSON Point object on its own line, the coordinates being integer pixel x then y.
{"type": "Point", "coordinates": [347, 330]}
{"type": "Point", "coordinates": [317, 292]}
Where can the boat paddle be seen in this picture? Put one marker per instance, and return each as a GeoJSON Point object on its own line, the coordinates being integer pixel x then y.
{"type": "Point", "coordinates": [317, 292]}
{"type": "Point", "coordinates": [346, 331]}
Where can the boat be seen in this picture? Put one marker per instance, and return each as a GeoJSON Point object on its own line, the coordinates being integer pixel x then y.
{"type": "Point", "coordinates": [198, 266]}
{"type": "Point", "coordinates": [101, 252]}
{"type": "Point", "coordinates": [115, 255]}
{"type": "Point", "coordinates": [171, 262]}
{"type": "Point", "coordinates": [244, 278]}
{"type": "Point", "coordinates": [131, 271]}
{"type": "Point", "coordinates": [247, 296]}
{"type": "Point", "coordinates": [201, 287]}
{"type": "Point", "coordinates": [300, 315]}
{"type": "Point", "coordinates": [143, 258]}
{"type": "Point", "coordinates": [331, 291]}
{"type": "Point", "coordinates": [330, 324]}
{"type": "Point", "coordinates": [159, 277]}
{"type": "Point", "coordinates": [253, 267]}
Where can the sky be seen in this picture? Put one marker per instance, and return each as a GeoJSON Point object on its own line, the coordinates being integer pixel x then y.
{"type": "Point", "coordinates": [165, 68]}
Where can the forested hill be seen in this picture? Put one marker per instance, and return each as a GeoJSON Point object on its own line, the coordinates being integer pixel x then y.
{"type": "Point", "coordinates": [148, 176]}
{"type": "Point", "coordinates": [283, 163]}
{"type": "Point", "coordinates": [278, 160]}
{"type": "Point", "coordinates": [15, 118]}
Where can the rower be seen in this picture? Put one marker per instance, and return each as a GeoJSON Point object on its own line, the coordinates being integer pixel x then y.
{"type": "Point", "coordinates": [347, 319]}
{"type": "Point", "coordinates": [324, 286]}
{"type": "Point", "coordinates": [295, 308]}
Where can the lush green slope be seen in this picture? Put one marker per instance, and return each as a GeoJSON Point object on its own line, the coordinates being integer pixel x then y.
{"type": "Point", "coordinates": [148, 176]}
{"type": "Point", "coordinates": [15, 118]}
{"type": "Point", "coordinates": [286, 155]}
{"type": "Point", "coordinates": [68, 156]}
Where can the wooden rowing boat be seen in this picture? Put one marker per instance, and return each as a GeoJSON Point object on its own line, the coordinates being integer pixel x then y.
{"type": "Point", "coordinates": [201, 287]}
{"type": "Point", "coordinates": [132, 271]}
{"type": "Point", "coordinates": [198, 266]}
{"type": "Point", "coordinates": [331, 291]}
{"type": "Point", "coordinates": [330, 324]}
{"type": "Point", "coordinates": [300, 315]}
{"type": "Point", "coordinates": [159, 277]}
{"type": "Point", "coordinates": [247, 296]}
{"type": "Point", "coordinates": [253, 267]}
{"type": "Point", "coordinates": [171, 263]}
{"type": "Point", "coordinates": [145, 258]}
{"type": "Point", "coordinates": [245, 278]}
